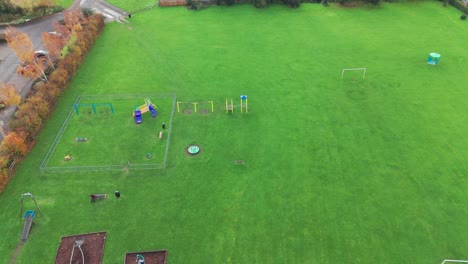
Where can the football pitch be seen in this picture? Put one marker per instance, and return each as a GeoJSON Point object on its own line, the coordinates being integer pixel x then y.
{"type": "Point", "coordinates": [322, 168]}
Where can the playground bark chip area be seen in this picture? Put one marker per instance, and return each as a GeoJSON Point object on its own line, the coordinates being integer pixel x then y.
{"type": "Point", "coordinates": [151, 257]}
{"type": "Point", "coordinates": [92, 247]}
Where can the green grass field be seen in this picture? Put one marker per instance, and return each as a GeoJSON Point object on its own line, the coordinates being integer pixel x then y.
{"type": "Point", "coordinates": [113, 139]}
{"type": "Point", "coordinates": [348, 170]}
{"type": "Point", "coordinates": [132, 5]}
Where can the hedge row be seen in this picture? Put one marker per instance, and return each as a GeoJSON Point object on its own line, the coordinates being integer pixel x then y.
{"type": "Point", "coordinates": [35, 111]}
{"type": "Point", "coordinates": [458, 5]}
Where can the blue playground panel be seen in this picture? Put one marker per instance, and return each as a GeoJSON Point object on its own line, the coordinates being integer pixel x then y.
{"type": "Point", "coordinates": [29, 213]}
{"type": "Point", "coordinates": [138, 117]}
{"type": "Point", "coordinates": [153, 111]}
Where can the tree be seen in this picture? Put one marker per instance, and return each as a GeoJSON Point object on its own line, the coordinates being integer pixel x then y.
{"type": "Point", "coordinates": [62, 31]}
{"type": "Point", "coordinates": [9, 95]}
{"type": "Point", "coordinates": [14, 145]}
{"type": "Point", "coordinates": [22, 45]}
{"type": "Point", "coordinates": [30, 4]}
{"type": "Point", "coordinates": [53, 42]}
{"type": "Point", "coordinates": [73, 20]}
{"type": "Point", "coordinates": [25, 4]}
{"type": "Point", "coordinates": [292, 3]}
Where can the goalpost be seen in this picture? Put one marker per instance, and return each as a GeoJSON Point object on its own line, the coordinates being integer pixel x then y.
{"type": "Point", "coordinates": [354, 69]}
{"type": "Point", "coordinates": [454, 261]}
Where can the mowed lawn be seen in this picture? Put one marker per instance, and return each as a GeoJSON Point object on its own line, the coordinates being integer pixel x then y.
{"type": "Point", "coordinates": [348, 170]}
{"type": "Point", "coordinates": [108, 135]}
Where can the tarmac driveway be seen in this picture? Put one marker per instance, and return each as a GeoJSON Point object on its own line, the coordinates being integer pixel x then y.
{"type": "Point", "coordinates": [9, 62]}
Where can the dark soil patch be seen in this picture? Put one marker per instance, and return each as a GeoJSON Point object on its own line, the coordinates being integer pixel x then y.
{"type": "Point", "coordinates": [204, 111]}
{"type": "Point", "coordinates": [93, 248]}
{"type": "Point", "coordinates": [151, 257]}
{"type": "Point", "coordinates": [187, 111]}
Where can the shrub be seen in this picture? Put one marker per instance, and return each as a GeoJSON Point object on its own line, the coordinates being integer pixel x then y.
{"type": "Point", "coordinates": [463, 17]}
{"type": "Point", "coordinates": [33, 113]}
{"type": "Point", "coordinates": [3, 178]}
{"type": "Point", "coordinates": [9, 95]}
{"type": "Point", "coordinates": [292, 3]}
{"type": "Point", "coordinates": [195, 5]}
{"type": "Point", "coordinates": [260, 3]}
{"type": "Point", "coordinates": [14, 145]}
{"type": "Point", "coordinates": [59, 77]}
{"type": "Point", "coordinates": [2, 38]}
{"type": "Point", "coordinates": [87, 12]}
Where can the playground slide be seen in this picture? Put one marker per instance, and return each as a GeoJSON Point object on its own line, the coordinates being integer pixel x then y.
{"type": "Point", "coordinates": [137, 115]}
{"type": "Point", "coordinates": [153, 111]}
{"type": "Point", "coordinates": [29, 216]}
{"type": "Point", "coordinates": [144, 109]}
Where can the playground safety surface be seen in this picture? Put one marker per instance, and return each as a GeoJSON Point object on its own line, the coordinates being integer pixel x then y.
{"type": "Point", "coordinates": [151, 257]}
{"type": "Point", "coordinates": [93, 248]}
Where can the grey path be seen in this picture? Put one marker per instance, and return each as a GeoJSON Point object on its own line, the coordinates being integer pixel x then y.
{"type": "Point", "coordinates": [110, 12]}
{"type": "Point", "coordinates": [9, 62]}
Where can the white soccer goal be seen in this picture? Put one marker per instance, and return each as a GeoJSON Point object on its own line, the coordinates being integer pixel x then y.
{"type": "Point", "coordinates": [454, 261]}
{"type": "Point", "coordinates": [354, 69]}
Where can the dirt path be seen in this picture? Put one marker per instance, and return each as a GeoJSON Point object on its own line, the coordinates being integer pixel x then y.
{"type": "Point", "coordinates": [17, 252]}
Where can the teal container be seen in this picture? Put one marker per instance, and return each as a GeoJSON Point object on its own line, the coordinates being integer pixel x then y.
{"type": "Point", "coordinates": [433, 58]}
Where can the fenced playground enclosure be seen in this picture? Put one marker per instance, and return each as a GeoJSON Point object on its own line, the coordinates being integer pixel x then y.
{"type": "Point", "coordinates": [100, 134]}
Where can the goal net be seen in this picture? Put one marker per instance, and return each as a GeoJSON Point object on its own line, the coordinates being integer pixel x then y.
{"type": "Point", "coordinates": [363, 70]}
{"type": "Point", "coordinates": [446, 261]}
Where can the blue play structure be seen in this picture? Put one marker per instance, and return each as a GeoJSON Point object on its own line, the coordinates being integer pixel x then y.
{"type": "Point", "coordinates": [153, 111]}
{"type": "Point", "coordinates": [28, 216]}
{"type": "Point", "coordinates": [141, 109]}
{"type": "Point", "coordinates": [433, 58]}
{"type": "Point", "coordinates": [137, 115]}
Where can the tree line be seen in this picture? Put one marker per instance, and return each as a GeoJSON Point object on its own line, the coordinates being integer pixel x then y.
{"type": "Point", "coordinates": [199, 4]}
{"type": "Point", "coordinates": [77, 33]}
{"type": "Point", "coordinates": [14, 9]}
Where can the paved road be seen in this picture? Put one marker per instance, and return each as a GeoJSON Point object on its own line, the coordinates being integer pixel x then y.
{"type": "Point", "coordinates": [9, 62]}
{"type": "Point", "coordinates": [110, 12]}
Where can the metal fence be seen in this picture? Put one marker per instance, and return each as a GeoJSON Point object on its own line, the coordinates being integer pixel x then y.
{"type": "Point", "coordinates": [129, 166]}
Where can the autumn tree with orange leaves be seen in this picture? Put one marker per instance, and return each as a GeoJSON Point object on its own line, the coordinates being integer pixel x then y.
{"type": "Point", "coordinates": [9, 95]}
{"type": "Point", "coordinates": [22, 45]}
{"type": "Point", "coordinates": [73, 19]}
{"type": "Point", "coordinates": [53, 42]}
{"type": "Point", "coordinates": [14, 145]}
{"type": "Point", "coordinates": [31, 4]}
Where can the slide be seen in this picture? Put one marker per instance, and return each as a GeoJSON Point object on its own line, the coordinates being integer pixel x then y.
{"type": "Point", "coordinates": [29, 216]}
{"type": "Point", "coordinates": [137, 115]}
{"type": "Point", "coordinates": [153, 111]}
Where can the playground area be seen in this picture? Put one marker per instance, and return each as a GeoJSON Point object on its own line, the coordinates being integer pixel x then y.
{"type": "Point", "coordinates": [103, 133]}
{"type": "Point", "coordinates": [147, 257]}
{"type": "Point", "coordinates": [350, 145]}
{"type": "Point", "coordinates": [83, 248]}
